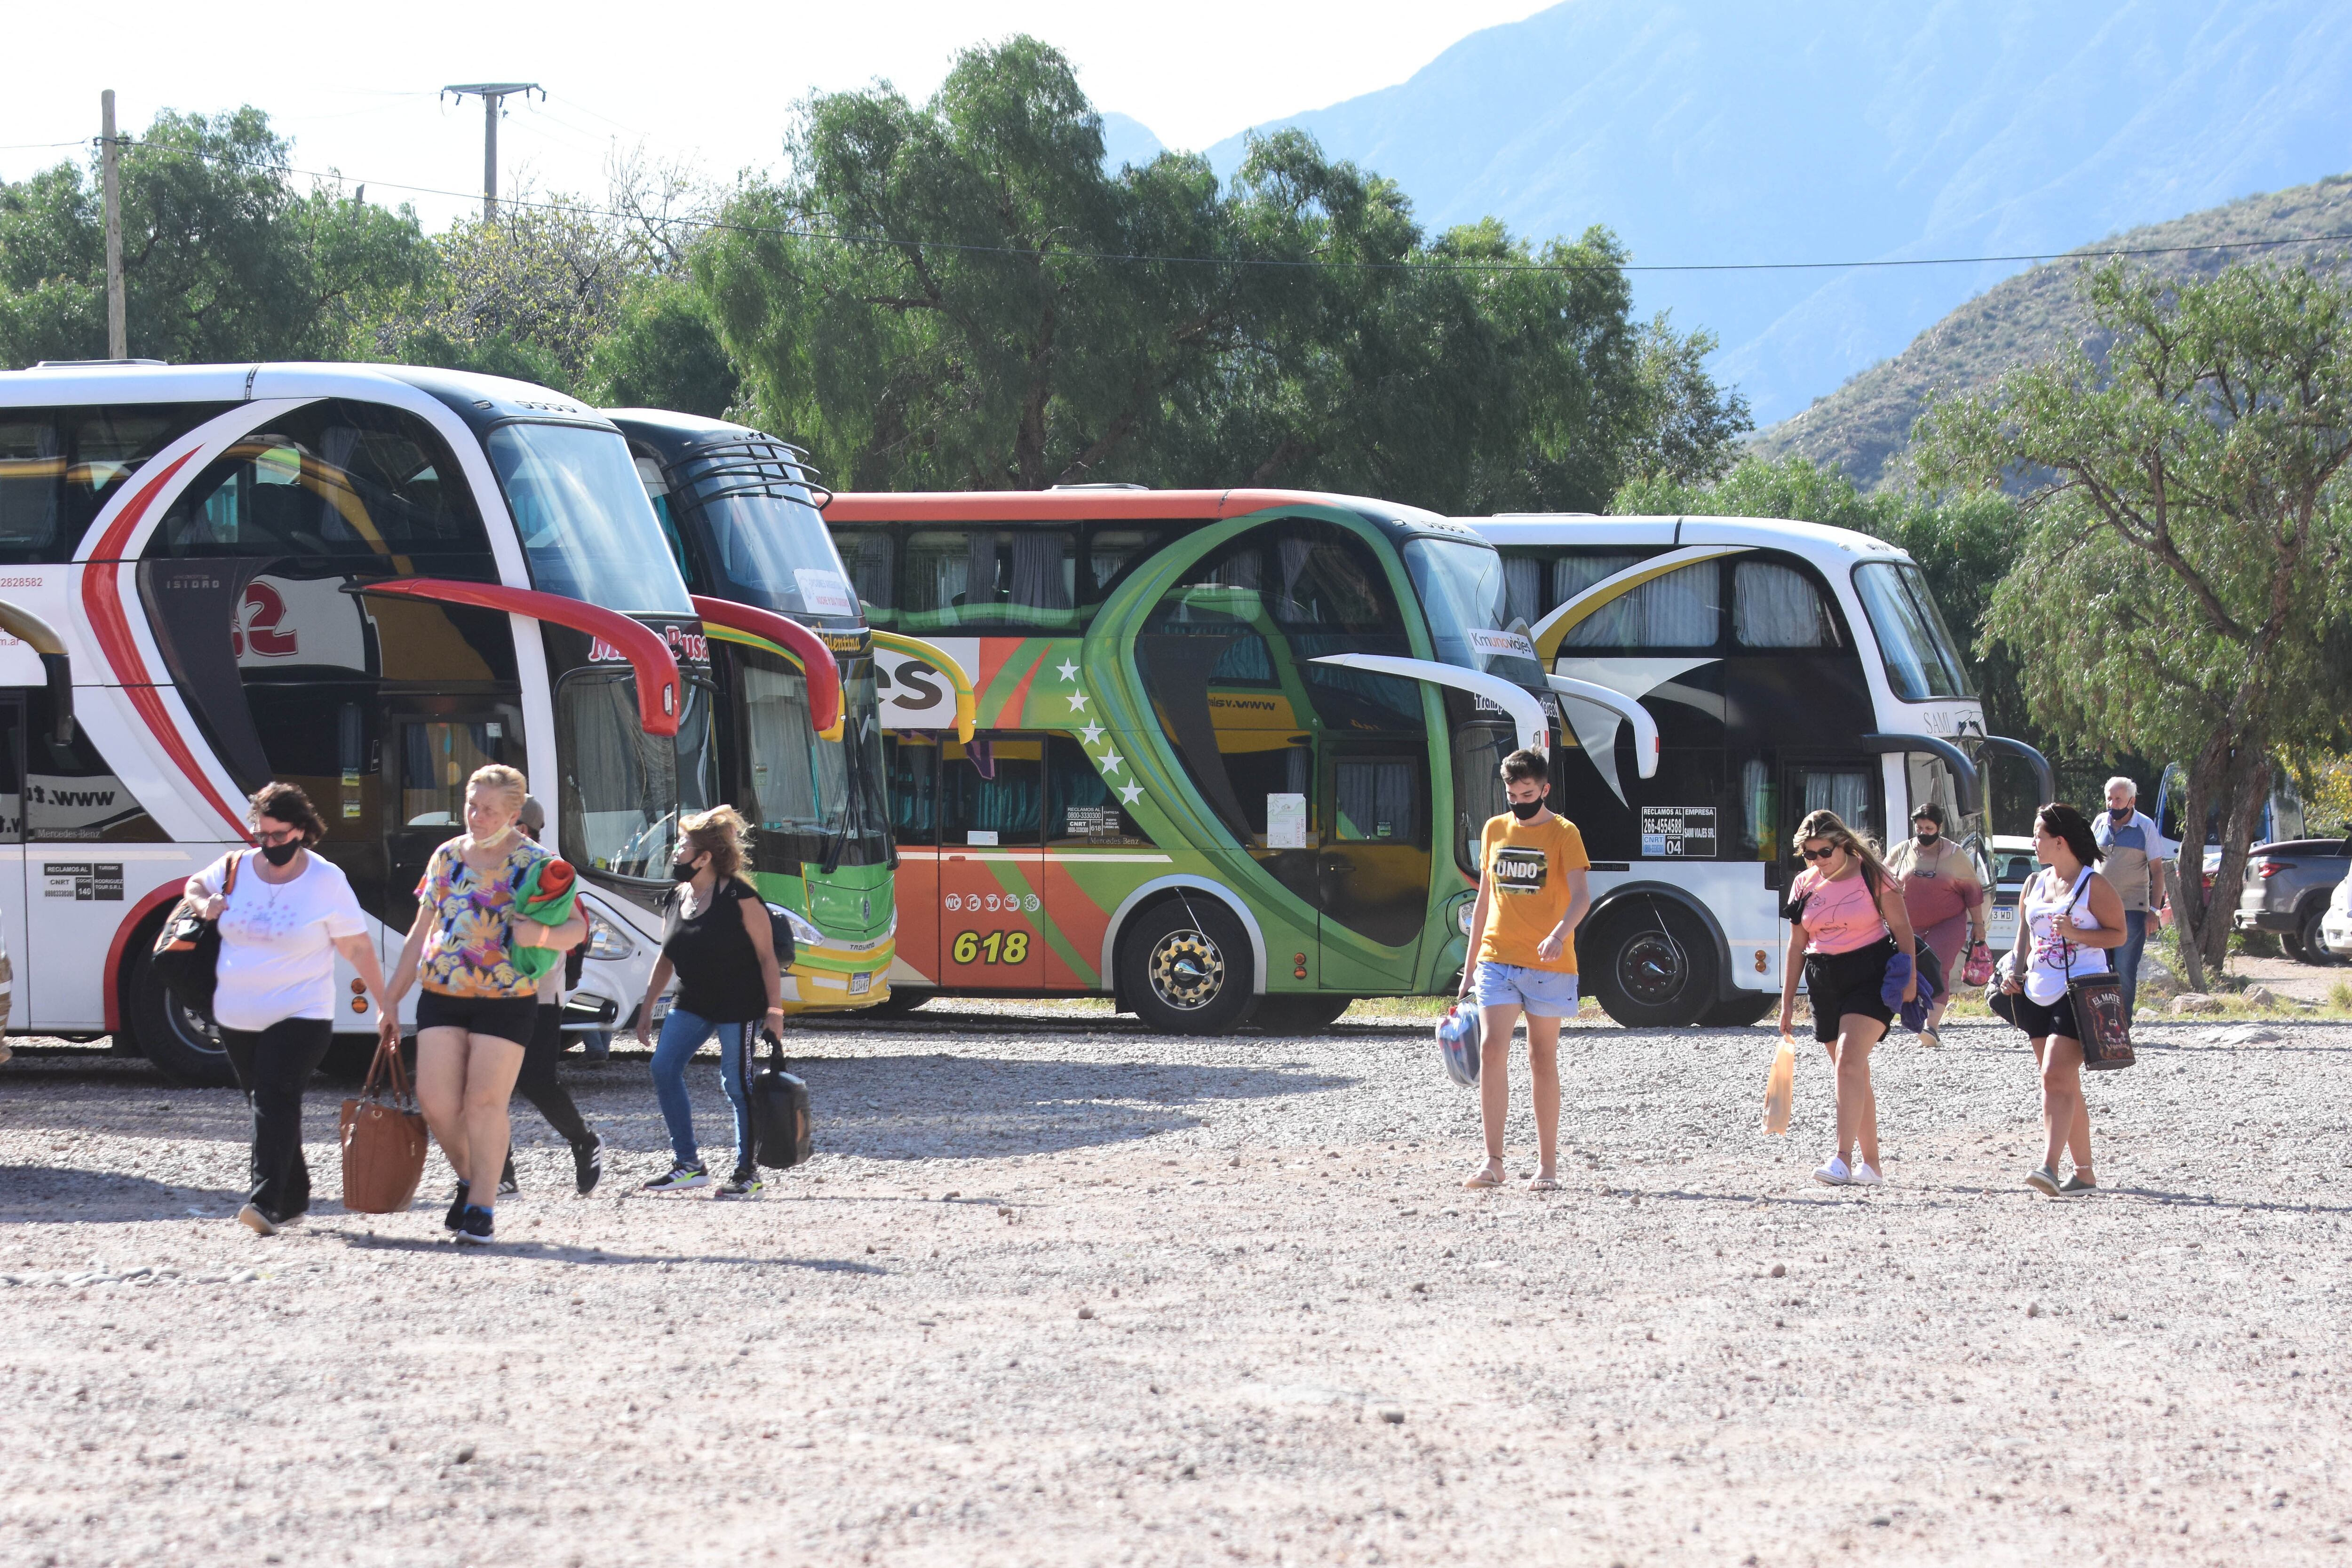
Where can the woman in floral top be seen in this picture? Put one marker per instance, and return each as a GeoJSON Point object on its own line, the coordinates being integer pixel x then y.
{"type": "Point", "coordinates": [477, 1011]}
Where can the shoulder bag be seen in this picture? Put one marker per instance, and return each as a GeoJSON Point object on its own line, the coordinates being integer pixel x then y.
{"type": "Point", "coordinates": [187, 956]}
{"type": "Point", "coordinates": [2098, 1002]}
{"type": "Point", "coordinates": [384, 1138]}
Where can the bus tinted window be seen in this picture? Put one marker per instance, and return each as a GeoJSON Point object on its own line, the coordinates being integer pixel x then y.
{"type": "Point", "coordinates": [992, 577]}
{"type": "Point", "coordinates": [615, 806]}
{"type": "Point", "coordinates": [333, 479]}
{"type": "Point", "coordinates": [868, 554]}
{"type": "Point", "coordinates": [585, 520]}
{"type": "Point", "coordinates": [1683, 608]}
{"type": "Point", "coordinates": [71, 796]}
{"type": "Point", "coordinates": [1778, 606]}
{"type": "Point", "coordinates": [59, 466]}
{"type": "Point", "coordinates": [991, 792]}
{"type": "Point", "coordinates": [1082, 809]}
{"type": "Point", "coordinates": [1921, 662]}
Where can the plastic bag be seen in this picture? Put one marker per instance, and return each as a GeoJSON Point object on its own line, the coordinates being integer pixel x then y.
{"type": "Point", "coordinates": [1458, 1035]}
{"type": "Point", "coordinates": [1780, 1089]}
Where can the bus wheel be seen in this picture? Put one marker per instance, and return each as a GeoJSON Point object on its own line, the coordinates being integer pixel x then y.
{"type": "Point", "coordinates": [1652, 965]}
{"type": "Point", "coordinates": [1298, 1013]}
{"type": "Point", "coordinates": [1740, 1012]}
{"type": "Point", "coordinates": [182, 1044]}
{"type": "Point", "coordinates": [1184, 966]}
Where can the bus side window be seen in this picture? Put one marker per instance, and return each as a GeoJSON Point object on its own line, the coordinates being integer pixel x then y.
{"type": "Point", "coordinates": [1082, 808]}
{"type": "Point", "coordinates": [1681, 609]}
{"type": "Point", "coordinates": [868, 552]}
{"type": "Point", "coordinates": [1377, 800]}
{"type": "Point", "coordinates": [911, 764]}
{"type": "Point", "coordinates": [60, 467]}
{"type": "Point", "coordinates": [990, 793]}
{"type": "Point", "coordinates": [70, 793]}
{"type": "Point", "coordinates": [1774, 605]}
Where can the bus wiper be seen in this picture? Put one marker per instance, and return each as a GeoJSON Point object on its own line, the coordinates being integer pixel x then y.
{"type": "Point", "coordinates": [851, 816]}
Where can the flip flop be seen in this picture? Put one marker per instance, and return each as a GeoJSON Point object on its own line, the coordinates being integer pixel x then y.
{"type": "Point", "coordinates": [1483, 1179]}
{"type": "Point", "coordinates": [1543, 1184]}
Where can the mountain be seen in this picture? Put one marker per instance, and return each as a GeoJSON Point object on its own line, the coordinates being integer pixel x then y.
{"type": "Point", "coordinates": [1127, 139]}
{"type": "Point", "coordinates": [2034, 315]}
{"type": "Point", "coordinates": [1713, 130]}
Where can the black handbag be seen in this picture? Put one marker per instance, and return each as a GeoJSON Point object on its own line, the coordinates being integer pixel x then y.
{"type": "Point", "coordinates": [781, 1131]}
{"type": "Point", "coordinates": [186, 957]}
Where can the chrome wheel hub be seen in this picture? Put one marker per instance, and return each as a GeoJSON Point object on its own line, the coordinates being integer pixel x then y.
{"type": "Point", "coordinates": [1187, 970]}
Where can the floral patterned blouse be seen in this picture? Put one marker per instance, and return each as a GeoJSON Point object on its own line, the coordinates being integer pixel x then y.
{"type": "Point", "coordinates": [473, 914]}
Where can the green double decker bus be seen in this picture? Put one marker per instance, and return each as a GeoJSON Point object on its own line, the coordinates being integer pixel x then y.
{"type": "Point", "coordinates": [1228, 755]}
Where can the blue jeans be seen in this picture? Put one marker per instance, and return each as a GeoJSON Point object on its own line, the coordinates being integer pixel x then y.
{"type": "Point", "coordinates": [2126, 957]}
{"type": "Point", "coordinates": [682, 1035]}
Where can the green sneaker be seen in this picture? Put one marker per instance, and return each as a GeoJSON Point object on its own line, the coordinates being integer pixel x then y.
{"type": "Point", "coordinates": [744, 1183]}
{"type": "Point", "coordinates": [2075, 1183]}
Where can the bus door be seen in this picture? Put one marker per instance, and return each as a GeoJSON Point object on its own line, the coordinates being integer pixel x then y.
{"type": "Point", "coordinates": [1372, 864]}
{"type": "Point", "coordinates": [1849, 786]}
{"type": "Point", "coordinates": [431, 757]}
{"type": "Point", "coordinates": [910, 764]}
{"type": "Point", "coordinates": [992, 863]}
{"type": "Point", "coordinates": [12, 855]}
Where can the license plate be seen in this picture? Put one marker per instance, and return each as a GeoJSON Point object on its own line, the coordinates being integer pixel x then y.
{"type": "Point", "coordinates": [2002, 930]}
{"type": "Point", "coordinates": [859, 984]}
{"type": "Point", "coordinates": [661, 1008]}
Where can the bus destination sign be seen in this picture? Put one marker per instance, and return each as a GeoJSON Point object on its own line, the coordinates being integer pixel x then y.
{"type": "Point", "coordinates": [1678, 832]}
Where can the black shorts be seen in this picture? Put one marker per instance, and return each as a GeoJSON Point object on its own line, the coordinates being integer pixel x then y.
{"type": "Point", "coordinates": [2040, 1023]}
{"type": "Point", "coordinates": [507, 1018]}
{"type": "Point", "coordinates": [1842, 983]}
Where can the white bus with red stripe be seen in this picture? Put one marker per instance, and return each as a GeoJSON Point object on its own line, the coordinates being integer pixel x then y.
{"type": "Point", "coordinates": [366, 579]}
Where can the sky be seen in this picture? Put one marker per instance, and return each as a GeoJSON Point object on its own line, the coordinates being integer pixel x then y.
{"type": "Point", "coordinates": [356, 89]}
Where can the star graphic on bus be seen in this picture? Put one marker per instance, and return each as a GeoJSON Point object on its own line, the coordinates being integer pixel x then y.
{"type": "Point", "coordinates": [1077, 699]}
{"type": "Point", "coordinates": [1093, 734]}
{"type": "Point", "coordinates": [1069, 670]}
{"type": "Point", "coordinates": [1131, 793]}
{"type": "Point", "coordinates": [1110, 761]}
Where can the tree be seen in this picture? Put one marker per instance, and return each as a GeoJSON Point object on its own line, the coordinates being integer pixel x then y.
{"type": "Point", "coordinates": [2185, 556]}
{"type": "Point", "coordinates": [222, 259]}
{"type": "Point", "coordinates": [663, 353]}
{"type": "Point", "coordinates": [958, 295]}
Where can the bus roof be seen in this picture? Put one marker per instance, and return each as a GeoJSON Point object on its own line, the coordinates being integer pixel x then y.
{"type": "Point", "coordinates": [1091, 503]}
{"type": "Point", "coordinates": [1816, 541]}
{"type": "Point", "coordinates": [480, 400]}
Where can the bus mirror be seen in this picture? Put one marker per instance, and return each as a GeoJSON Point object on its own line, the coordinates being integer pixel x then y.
{"type": "Point", "coordinates": [2045, 782]}
{"type": "Point", "coordinates": [59, 670]}
{"type": "Point", "coordinates": [1966, 781]}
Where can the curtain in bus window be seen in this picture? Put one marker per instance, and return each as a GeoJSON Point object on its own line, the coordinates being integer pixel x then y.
{"type": "Point", "coordinates": [1114, 550]}
{"type": "Point", "coordinates": [1374, 801]}
{"type": "Point", "coordinates": [1847, 794]}
{"type": "Point", "coordinates": [779, 743]}
{"type": "Point", "coordinates": [981, 583]}
{"type": "Point", "coordinates": [1778, 606]}
{"type": "Point", "coordinates": [1522, 588]}
{"type": "Point", "coordinates": [1760, 828]}
{"type": "Point", "coordinates": [1043, 567]}
{"type": "Point", "coordinates": [1478, 797]}
{"type": "Point", "coordinates": [1004, 809]}
{"type": "Point", "coordinates": [620, 788]}
{"type": "Point", "coordinates": [939, 569]}
{"type": "Point", "coordinates": [912, 766]}
{"type": "Point", "coordinates": [32, 481]}
{"type": "Point", "coordinates": [1681, 609]}
{"type": "Point", "coordinates": [866, 554]}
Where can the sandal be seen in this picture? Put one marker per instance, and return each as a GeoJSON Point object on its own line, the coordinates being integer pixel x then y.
{"type": "Point", "coordinates": [1486, 1177]}
{"type": "Point", "coordinates": [1543, 1184]}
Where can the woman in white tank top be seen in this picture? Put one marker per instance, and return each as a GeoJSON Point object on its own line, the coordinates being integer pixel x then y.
{"type": "Point", "coordinates": [2068, 917]}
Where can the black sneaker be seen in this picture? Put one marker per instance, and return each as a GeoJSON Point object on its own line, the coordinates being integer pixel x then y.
{"type": "Point", "coordinates": [476, 1229]}
{"type": "Point", "coordinates": [680, 1179]}
{"type": "Point", "coordinates": [744, 1183]}
{"type": "Point", "coordinates": [508, 1185]}
{"type": "Point", "coordinates": [256, 1219]}
{"type": "Point", "coordinates": [455, 1218]}
{"type": "Point", "coordinates": [588, 1164]}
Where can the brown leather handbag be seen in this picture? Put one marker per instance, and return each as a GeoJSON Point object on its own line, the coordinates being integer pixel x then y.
{"type": "Point", "coordinates": [384, 1138]}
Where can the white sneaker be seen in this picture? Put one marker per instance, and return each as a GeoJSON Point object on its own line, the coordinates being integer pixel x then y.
{"type": "Point", "coordinates": [1864, 1176]}
{"type": "Point", "coordinates": [1834, 1173]}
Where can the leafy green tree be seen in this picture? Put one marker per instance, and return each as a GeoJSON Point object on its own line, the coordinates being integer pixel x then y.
{"type": "Point", "coordinates": [663, 353]}
{"type": "Point", "coordinates": [223, 260]}
{"type": "Point", "coordinates": [2185, 557]}
{"type": "Point", "coordinates": [958, 295]}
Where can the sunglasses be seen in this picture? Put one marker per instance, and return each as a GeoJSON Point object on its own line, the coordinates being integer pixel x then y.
{"type": "Point", "coordinates": [1819, 854]}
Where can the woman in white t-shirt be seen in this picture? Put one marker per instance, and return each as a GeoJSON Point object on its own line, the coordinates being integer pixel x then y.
{"type": "Point", "coordinates": [281, 925]}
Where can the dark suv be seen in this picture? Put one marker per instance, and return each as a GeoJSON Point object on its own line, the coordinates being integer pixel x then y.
{"type": "Point", "coordinates": [2287, 889]}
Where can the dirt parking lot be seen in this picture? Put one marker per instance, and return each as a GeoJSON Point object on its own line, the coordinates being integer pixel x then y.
{"type": "Point", "coordinates": [1059, 1291]}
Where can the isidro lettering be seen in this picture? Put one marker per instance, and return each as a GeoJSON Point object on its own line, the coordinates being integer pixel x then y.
{"type": "Point", "coordinates": [1521, 870]}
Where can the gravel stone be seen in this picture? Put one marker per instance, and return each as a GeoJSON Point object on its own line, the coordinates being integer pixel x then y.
{"type": "Point", "coordinates": [854, 1369]}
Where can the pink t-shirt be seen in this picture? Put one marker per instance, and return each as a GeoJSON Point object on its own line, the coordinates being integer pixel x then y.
{"type": "Point", "coordinates": [1840, 916]}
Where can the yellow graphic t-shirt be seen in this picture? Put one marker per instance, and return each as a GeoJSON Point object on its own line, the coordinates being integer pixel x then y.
{"type": "Point", "coordinates": [1525, 867]}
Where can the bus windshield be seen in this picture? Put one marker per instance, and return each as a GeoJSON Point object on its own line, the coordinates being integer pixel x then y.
{"type": "Point", "coordinates": [1460, 585]}
{"type": "Point", "coordinates": [1922, 663]}
{"type": "Point", "coordinates": [585, 523]}
{"type": "Point", "coordinates": [623, 789]}
{"type": "Point", "coordinates": [766, 545]}
{"type": "Point", "coordinates": [815, 800]}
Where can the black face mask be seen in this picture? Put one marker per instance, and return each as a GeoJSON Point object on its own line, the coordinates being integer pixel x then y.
{"type": "Point", "coordinates": [1930, 835]}
{"type": "Point", "coordinates": [681, 871]}
{"type": "Point", "coordinates": [282, 854]}
{"type": "Point", "coordinates": [1525, 810]}
{"type": "Point", "coordinates": [2120, 813]}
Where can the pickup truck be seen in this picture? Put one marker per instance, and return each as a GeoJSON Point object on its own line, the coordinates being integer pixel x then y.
{"type": "Point", "coordinates": [2288, 889]}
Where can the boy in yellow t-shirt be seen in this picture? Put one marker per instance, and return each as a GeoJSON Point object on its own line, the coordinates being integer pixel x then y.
{"type": "Point", "coordinates": [1531, 894]}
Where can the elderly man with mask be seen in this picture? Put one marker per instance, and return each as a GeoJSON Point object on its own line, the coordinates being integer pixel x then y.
{"type": "Point", "coordinates": [2135, 868]}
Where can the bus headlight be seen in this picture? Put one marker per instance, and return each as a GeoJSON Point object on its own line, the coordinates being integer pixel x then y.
{"type": "Point", "coordinates": [1462, 914]}
{"type": "Point", "coordinates": [804, 935]}
{"type": "Point", "coordinates": [606, 939]}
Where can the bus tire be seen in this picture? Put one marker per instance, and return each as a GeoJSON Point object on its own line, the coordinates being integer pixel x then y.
{"type": "Point", "coordinates": [1652, 965]}
{"type": "Point", "coordinates": [1743, 1011]}
{"type": "Point", "coordinates": [181, 1044]}
{"type": "Point", "coordinates": [1184, 967]}
{"type": "Point", "coordinates": [1299, 1012]}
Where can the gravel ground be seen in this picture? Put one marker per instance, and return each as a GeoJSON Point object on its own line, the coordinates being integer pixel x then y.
{"type": "Point", "coordinates": [1060, 1291]}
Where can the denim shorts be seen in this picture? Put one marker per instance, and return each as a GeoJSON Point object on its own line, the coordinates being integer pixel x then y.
{"type": "Point", "coordinates": [1537, 993]}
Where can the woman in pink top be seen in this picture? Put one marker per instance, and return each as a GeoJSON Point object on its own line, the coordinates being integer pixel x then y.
{"type": "Point", "coordinates": [1846, 919]}
{"type": "Point", "coordinates": [1945, 900]}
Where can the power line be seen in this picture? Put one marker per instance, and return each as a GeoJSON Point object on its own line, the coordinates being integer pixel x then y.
{"type": "Point", "coordinates": [584, 209]}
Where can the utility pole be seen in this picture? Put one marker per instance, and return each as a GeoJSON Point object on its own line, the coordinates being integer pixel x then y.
{"type": "Point", "coordinates": [493, 94]}
{"type": "Point", "coordinates": [118, 336]}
